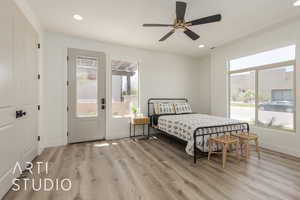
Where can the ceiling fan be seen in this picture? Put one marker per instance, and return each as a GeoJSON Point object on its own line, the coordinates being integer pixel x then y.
{"type": "Point", "coordinates": [181, 24]}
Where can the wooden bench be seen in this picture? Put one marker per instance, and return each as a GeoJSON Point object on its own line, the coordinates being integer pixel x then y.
{"type": "Point", "coordinates": [225, 141]}
{"type": "Point", "coordinates": [245, 138]}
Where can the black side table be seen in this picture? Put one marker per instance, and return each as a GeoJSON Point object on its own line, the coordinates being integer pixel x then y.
{"type": "Point", "coordinates": [140, 121]}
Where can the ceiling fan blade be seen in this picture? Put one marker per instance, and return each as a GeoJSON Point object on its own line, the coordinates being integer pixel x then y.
{"type": "Point", "coordinates": [167, 35]}
{"type": "Point", "coordinates": [191, 34]}
{"type": "Point", "coordinates": [180, 10]}
{"type": "Point", "coordinates": [157, 25]}
{"type": "Point", "coordinates": [205, 20]}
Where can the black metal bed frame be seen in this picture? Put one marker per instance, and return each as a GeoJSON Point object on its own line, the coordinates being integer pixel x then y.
{"type": "Point", "coordinates": [200, 131]}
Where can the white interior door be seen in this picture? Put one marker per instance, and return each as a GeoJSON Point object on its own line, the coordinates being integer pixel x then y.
{"type": "Point", "coordinates": [8, 135]}
{"type": "Point", "coordinates": [26, 88]}
{"type": "Point", "coordinates": [18, 92]}
{"type": "Point", "coordinates": [86, 95]}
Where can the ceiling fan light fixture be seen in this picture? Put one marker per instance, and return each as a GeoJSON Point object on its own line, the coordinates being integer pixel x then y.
{"type": "Point", "coordinates": [201, 46]}
{"type": "Point", "coordinates": [297, 3]}
{"type": "Point", "coordinates": [77, 17]}
{"type": "Point", "coordinates": [180, 23]}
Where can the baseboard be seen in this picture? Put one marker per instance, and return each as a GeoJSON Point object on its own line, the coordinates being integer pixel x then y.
{"type": "Point", "coordinates": [40, 150]}
{"type": "Point", "coordinates": [54, 142]}
{"type": "Point", "coordinates": [281, 149]}
{"type": "Point", "coordinates": [6, 182]}
{"type": "Point", "coordinates": [30, 154]}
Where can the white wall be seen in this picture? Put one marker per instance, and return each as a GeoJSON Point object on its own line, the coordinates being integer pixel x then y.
{"type": "Point", "coordinates": [278, 36]}
{"type": "Point", "coordinates": [161, 75]}
{"type": "Point", "coordinates": [29, 14]}
{"type": "Point", "coordinates": [202, 81]}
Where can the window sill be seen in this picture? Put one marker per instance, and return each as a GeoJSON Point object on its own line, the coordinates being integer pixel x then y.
{"type": "Point", "coordinates": [280, 131]}
{"type": "Point", "coordinates": [121, 116]}
{"type": "Point", "coordinates": [126, 116]}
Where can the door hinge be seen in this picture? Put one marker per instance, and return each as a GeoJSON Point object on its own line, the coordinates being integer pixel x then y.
{"type": "Point", "coordinates": [39, 138]}
{"type": "Point", "coordinates": [38, 76]}
{"type": "Point", "coordinates": [67, 108]}
{"type": "Point", "coordinates": [67, 58]}
{"type": "Point", "coordinates": [67, 133]}
{"type": "Point", "coordinates": [38, 45]}
{"type": "Point", "coordinates": [39, 107]}
{"type": "Point", "coordinates": [67, 83]}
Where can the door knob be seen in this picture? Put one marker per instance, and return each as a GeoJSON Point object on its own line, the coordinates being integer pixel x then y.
{"type": "Point", "coordinates": [19, 113]}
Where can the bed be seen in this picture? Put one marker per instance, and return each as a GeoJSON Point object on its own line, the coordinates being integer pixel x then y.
{"type": "Point", "coordinates": [192, 128]}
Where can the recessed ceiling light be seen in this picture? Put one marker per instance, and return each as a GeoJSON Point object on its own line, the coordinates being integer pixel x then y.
{"type": "Point", "coordinates": [78, 17]}
{"type": "Point", "coordinates": [297, 3]}
{"type": "Point", "coordinates": [201, 46]}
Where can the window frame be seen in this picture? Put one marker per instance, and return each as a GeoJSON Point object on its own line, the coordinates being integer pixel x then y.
{"type": "Point", "coordinates": [139, 89]}
{"type": "Point", "coordinates": [77, 115]}
{"type": "Point", "coordinates": [256, 69]}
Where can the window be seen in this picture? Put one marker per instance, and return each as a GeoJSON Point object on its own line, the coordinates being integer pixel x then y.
{"type": "Point", "coordinates": [275, 97]}
{"type": "Point", "coordinates": [262, 93]}
{"type": "Point", "coordinates": [264, 58]}
{"type": "Point", "coordinates": [125, 88]}
{"type": "Point", "coordinates": [243, 96]}
{"type": "Point", "coordinates": [86, 84]}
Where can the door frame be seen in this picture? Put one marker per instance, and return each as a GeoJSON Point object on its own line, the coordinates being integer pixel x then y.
{"type": "Point", "coordinates": [102, 63]}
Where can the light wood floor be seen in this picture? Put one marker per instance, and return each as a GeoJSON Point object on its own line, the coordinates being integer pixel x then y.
{"type": "Point", "coordinates": [160, 170]}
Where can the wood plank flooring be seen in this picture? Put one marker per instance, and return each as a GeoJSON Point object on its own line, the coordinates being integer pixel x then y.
{"type": "Point", "coordinates": [161, 170]}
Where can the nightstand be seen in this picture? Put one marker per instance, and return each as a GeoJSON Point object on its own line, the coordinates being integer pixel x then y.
{"type": "Point", "coordinates": [142, 121]}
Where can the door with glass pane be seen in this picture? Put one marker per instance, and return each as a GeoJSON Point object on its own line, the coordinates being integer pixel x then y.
{"type": "Point", "coordinates": [86, 95]}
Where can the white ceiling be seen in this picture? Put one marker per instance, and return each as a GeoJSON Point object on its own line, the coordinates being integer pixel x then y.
{"type": "Point", "coordinates": [120, 21]}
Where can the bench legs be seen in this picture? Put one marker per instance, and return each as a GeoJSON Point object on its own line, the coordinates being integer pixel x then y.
{"type": "Point", "coordinates": [257, 148]}
{"type": "Point", "coordinates": [245, 146]}
{"type": "Point", "coordinates": [237, 151]}
{"type": "Point", "coordinates": [242, 145]}
{"type": "Point", "coordinates": [224, 154]}
{"type": "Point", "coordinates": [225, 148]}
{"type": "Point", "coordinates": [209, 148]}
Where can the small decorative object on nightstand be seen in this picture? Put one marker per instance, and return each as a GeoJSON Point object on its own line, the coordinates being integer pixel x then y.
{"type": "Point", "coordinates": [138, 120]}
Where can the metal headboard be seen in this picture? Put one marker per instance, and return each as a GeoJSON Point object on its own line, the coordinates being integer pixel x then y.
{"type": "Point", "coordinates": [151, 101]}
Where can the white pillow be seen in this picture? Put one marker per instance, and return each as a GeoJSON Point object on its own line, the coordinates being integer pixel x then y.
{"type": "Point", "coordinates": [181, 108]}
{"type": "Point", "coordinates": [156, 108]}
{"type": "Point", "coordinates": [164, 108]}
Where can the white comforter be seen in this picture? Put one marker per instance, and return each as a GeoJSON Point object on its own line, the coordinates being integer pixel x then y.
{"type": "Point", "coordinates": [183, 127]}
